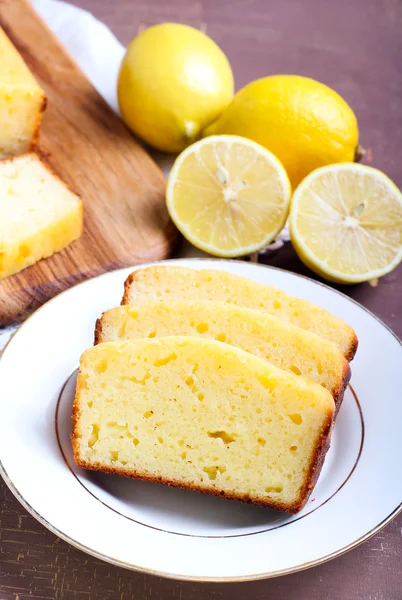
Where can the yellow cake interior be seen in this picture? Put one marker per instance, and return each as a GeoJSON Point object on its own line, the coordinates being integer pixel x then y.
{"type": "Point", "coordinates": [39, 214]}
{"type": "Point", "coordinates": [21, 102]}
{"type": "Point", "coordinates": [283, 344]}
{"type": "Point", "coordinates": [180, 283]}
{"type": "Point", "coordinates": [201, 414]}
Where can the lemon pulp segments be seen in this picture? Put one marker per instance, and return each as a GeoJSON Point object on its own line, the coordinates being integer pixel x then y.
{"type": "Point", "coordinates": [346, 223]}
{"type": "Point", "coordinates": [228, 195]}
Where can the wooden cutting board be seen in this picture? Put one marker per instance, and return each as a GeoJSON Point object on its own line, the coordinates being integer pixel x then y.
{"type": "Point", "coordinates": [126, 221]}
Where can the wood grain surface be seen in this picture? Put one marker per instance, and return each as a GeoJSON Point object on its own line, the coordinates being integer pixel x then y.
{"type": "Point", "coordinates": [356, 47]}
{"type": "Point", "coordinates": [126, 221]}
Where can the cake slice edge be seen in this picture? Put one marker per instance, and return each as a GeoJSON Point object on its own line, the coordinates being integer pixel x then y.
{"type": "Point", "coordinates": [316, 461]}
{"type": "Point", "coordinates": [349, 350]}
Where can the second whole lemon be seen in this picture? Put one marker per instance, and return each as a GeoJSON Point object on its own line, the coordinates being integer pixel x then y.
{"type": "Point", "coordinates": [302, 121]}
{"type": "Point", "coordinates": [173, 82]}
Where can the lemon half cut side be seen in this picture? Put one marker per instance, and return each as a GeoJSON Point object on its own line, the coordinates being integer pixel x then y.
{"type": "Point", "coordinates": [228, 195]}
{"type": "Point", "coordinates": [346, 223]}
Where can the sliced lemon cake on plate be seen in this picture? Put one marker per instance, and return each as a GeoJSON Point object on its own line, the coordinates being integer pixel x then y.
{"type": "Point", "coordinates": [202, 415]}
{"type": "Point", "coordinates": [283, 344]}
{"type": "Point", "coordinates": [180, 283]}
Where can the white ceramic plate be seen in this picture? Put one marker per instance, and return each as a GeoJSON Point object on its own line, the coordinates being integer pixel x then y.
{"type": "Point", "coordinates": [181, 534]}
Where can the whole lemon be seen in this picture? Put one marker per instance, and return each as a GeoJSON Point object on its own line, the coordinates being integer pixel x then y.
{"type": "Point", "coordinates": [174, 81]}
{"type": "Point", "coordinates": [303, 122]}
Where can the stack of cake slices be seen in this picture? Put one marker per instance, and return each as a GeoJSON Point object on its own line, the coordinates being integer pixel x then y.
{"type": "Point", "coordinates": [212, 382]}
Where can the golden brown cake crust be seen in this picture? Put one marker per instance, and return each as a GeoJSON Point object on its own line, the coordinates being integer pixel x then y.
{"type": "Point", "coordinates": [35, 137]}
{"type": "Point", "coordinates": [349, 354]}
{"type": "Point", "coordinates": [316, 464]}
{"type": "Point", "coordinates": [98, 331]}
{"type": "Point", "coordinates": [339, 391]}
{"type": "Point", "coordinates": [354, 342]}
{"type": "Point", "coordinates": [127, 285]}
{"type": "Point", "coordinates": [320, 452]}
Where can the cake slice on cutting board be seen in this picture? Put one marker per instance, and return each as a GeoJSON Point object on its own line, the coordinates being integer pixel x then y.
{"type": "Point", "coordinates": [22, 102]}
{"type": "Point", "coordinates": [202, 415]}
{"type": "Point", "coordinates": [39, 214]}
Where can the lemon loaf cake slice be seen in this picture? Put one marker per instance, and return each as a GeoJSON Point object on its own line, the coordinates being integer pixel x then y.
{"type": "Point", "coordinates": [283, 344]}
{"type": "Point", "coordinates": [180, 283]}
{"type": "Point", "coordinates": [22, 102]}
{"type": "Point", "coordinates": [203, 415]}
{"type": "Point", "coordinates": [39, 214]}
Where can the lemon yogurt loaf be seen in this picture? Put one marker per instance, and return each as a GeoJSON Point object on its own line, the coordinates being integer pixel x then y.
{"type": "Point", "coordinates": [22, 102]}
{"type": "Point", "coordinates": [283, 344]}
{"type": "Point", "coordinates": [39, 214]}
{"type": "Point", "coordinates": [202, 415]}
{"type": "Point", "coordinates": [180, 283]}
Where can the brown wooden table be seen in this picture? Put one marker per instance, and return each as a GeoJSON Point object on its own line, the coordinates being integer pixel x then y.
{"type": "Point", "coordinates": [356, 47]}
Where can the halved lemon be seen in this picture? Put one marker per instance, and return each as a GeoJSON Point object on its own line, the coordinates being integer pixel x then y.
{"type": "Point", "coordinates": [346, 223]}
{"type": "Point", "coordinates": [228, 196]}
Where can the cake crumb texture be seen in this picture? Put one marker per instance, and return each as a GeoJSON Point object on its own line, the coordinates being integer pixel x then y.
{"type": "Point", "coordinates": [40, 215]}
{"type": "Point", "coordinates": [22, 102]}
{"type": "Point", "coordinates": [285, 345]}
{"type": "Point", "coordinates": [181, 283]}
{"type": "Point", "coordinates": [202, 415]}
